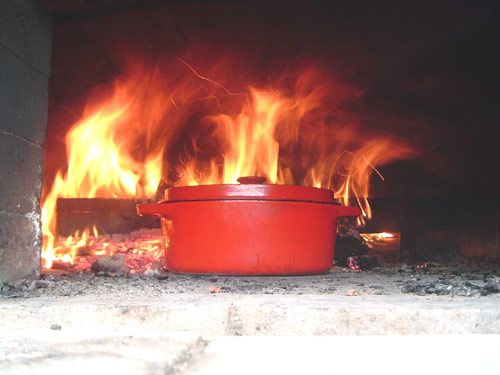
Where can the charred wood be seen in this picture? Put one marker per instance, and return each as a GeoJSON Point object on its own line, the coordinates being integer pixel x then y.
{"type": "Point", "coordinates": [108, 215]}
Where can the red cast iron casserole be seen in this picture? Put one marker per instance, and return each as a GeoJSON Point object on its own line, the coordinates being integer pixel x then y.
{"type": "Point", "coordinates": [249, 229]}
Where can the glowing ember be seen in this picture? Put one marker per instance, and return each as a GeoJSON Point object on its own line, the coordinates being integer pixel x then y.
{"type": "Point", "coordinates": [377, 236]}
{"type": "Point", "coordinates": [290, 135]}
{"type": "Point", "coordinates": [143, 250]}
{"type": "Point", "coordinates": [353, 265]}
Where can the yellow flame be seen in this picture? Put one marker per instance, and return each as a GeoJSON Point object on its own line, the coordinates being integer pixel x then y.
{"type": "Point", "coordinates": [100, 163]}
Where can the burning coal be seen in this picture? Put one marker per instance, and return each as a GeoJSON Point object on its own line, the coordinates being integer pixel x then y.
{"type": "Point", "coordinates": [155, 128]}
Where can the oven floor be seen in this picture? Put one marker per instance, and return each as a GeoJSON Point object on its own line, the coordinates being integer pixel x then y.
{"type": "Point", "coordinates": [172, 322]}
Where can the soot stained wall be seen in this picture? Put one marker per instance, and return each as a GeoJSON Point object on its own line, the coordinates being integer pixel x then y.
{"type": "Point", "coordinates": [25, 48]}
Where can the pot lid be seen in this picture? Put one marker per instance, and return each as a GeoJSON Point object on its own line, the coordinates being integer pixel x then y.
{"type": "Point", "coordinates": [249, 188]}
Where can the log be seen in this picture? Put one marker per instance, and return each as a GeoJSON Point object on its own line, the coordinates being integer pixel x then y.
{"type": "Point", "coordinates": [111, 216]}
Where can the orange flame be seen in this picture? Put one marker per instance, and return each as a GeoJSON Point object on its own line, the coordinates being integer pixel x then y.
{"type": "Point", "coordinates": [101, 162]}
{"type": "Point", "coordinates": [302, 135]}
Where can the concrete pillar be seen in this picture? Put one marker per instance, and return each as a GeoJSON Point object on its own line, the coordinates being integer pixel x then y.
{"type": "Point", "coordinates": [25, 48]}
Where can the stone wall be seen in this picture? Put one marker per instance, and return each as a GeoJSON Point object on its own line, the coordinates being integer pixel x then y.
{"type": "Point", "coordinates": [25, 50]}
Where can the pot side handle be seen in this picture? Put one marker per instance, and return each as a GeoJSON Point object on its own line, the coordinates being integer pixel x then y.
{"type": "Point", "coordinates": [343, 211]}
{"type": "Point", "coordinates": [154, 209]}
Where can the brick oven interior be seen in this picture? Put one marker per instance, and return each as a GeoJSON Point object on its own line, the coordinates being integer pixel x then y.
{"type": "Point", "coordinates": [425, 74]}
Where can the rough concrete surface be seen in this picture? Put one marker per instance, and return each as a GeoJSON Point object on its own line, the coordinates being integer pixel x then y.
{"type": "Point", "coordinates": [211, 324]}
{"type": "Point", "coordinates": [56, 353]}
{"type": "Point", "coordinates": [187, 354]}
{"type": "Point", "coordinates": [21, 174]}
{"type": "Point", "coordinates": [24, 98]}
{"type": "Point", "coordinates": [25, 41]}
{"type": "Point", "coordinates": [234, 314]}
{"type": "Point", "coordinates": [340, 302]}
{"type": "Point", "coordinates": [26, 31]}
{"type": "Point", "coordinates": [20, 184]}
{"type": "Point", "coordinates": [19, 246]}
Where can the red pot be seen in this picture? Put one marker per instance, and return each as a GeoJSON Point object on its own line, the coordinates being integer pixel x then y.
{"type": "Point", "coordinates": [249, 229]}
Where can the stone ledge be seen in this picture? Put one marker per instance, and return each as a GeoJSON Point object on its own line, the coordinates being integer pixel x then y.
{"type": "Point", "coordinates": [231, 314]}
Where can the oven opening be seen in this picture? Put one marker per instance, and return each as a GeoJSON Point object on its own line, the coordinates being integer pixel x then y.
{"type": "Point", "coordinates": [225, 168]}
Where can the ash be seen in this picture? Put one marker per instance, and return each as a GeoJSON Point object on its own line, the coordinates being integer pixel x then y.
{"type": "Point", "coordinates": [451, 279]}
{"type": "Point", "coordinates": [461, 280]}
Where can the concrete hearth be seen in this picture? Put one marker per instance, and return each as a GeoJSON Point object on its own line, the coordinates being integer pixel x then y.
{"type": "Point", "coordinates": [190, 323]}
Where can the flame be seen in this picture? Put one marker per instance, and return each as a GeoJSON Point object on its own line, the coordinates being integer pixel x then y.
{"type": "Point", "coordinates": [251, 149]}
{"type": "Point", "coordinates": [298, 134]}
{"type": "Point", "coordinates": [101, 162]}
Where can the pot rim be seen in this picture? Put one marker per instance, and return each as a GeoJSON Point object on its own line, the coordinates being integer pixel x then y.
{"type": "Point", "coordinates": [169, 201]}
{"type": "Point", "coordinates": [250, 192]}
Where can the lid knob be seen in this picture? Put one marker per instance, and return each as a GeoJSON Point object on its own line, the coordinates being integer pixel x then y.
{"type": "Point", "coordinates": [252, 180]}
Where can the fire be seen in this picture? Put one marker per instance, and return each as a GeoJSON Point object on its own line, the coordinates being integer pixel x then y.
{"type": "Point", "coordinates": [251, 149]}
{"type": "Point", "coordinates": [382, 241]}
{"type": "Point", "coordinates": [286, 134]}
{"type": "Point", "coordinates": [101, 162]}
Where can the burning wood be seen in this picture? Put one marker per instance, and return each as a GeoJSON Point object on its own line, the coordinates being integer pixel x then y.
{"type": "Point", "coordinates": [108, 215]}
{"type": "Point", "coordinates": [352, 250]}
{"type": "Point", "coordinates": [383, 242]}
